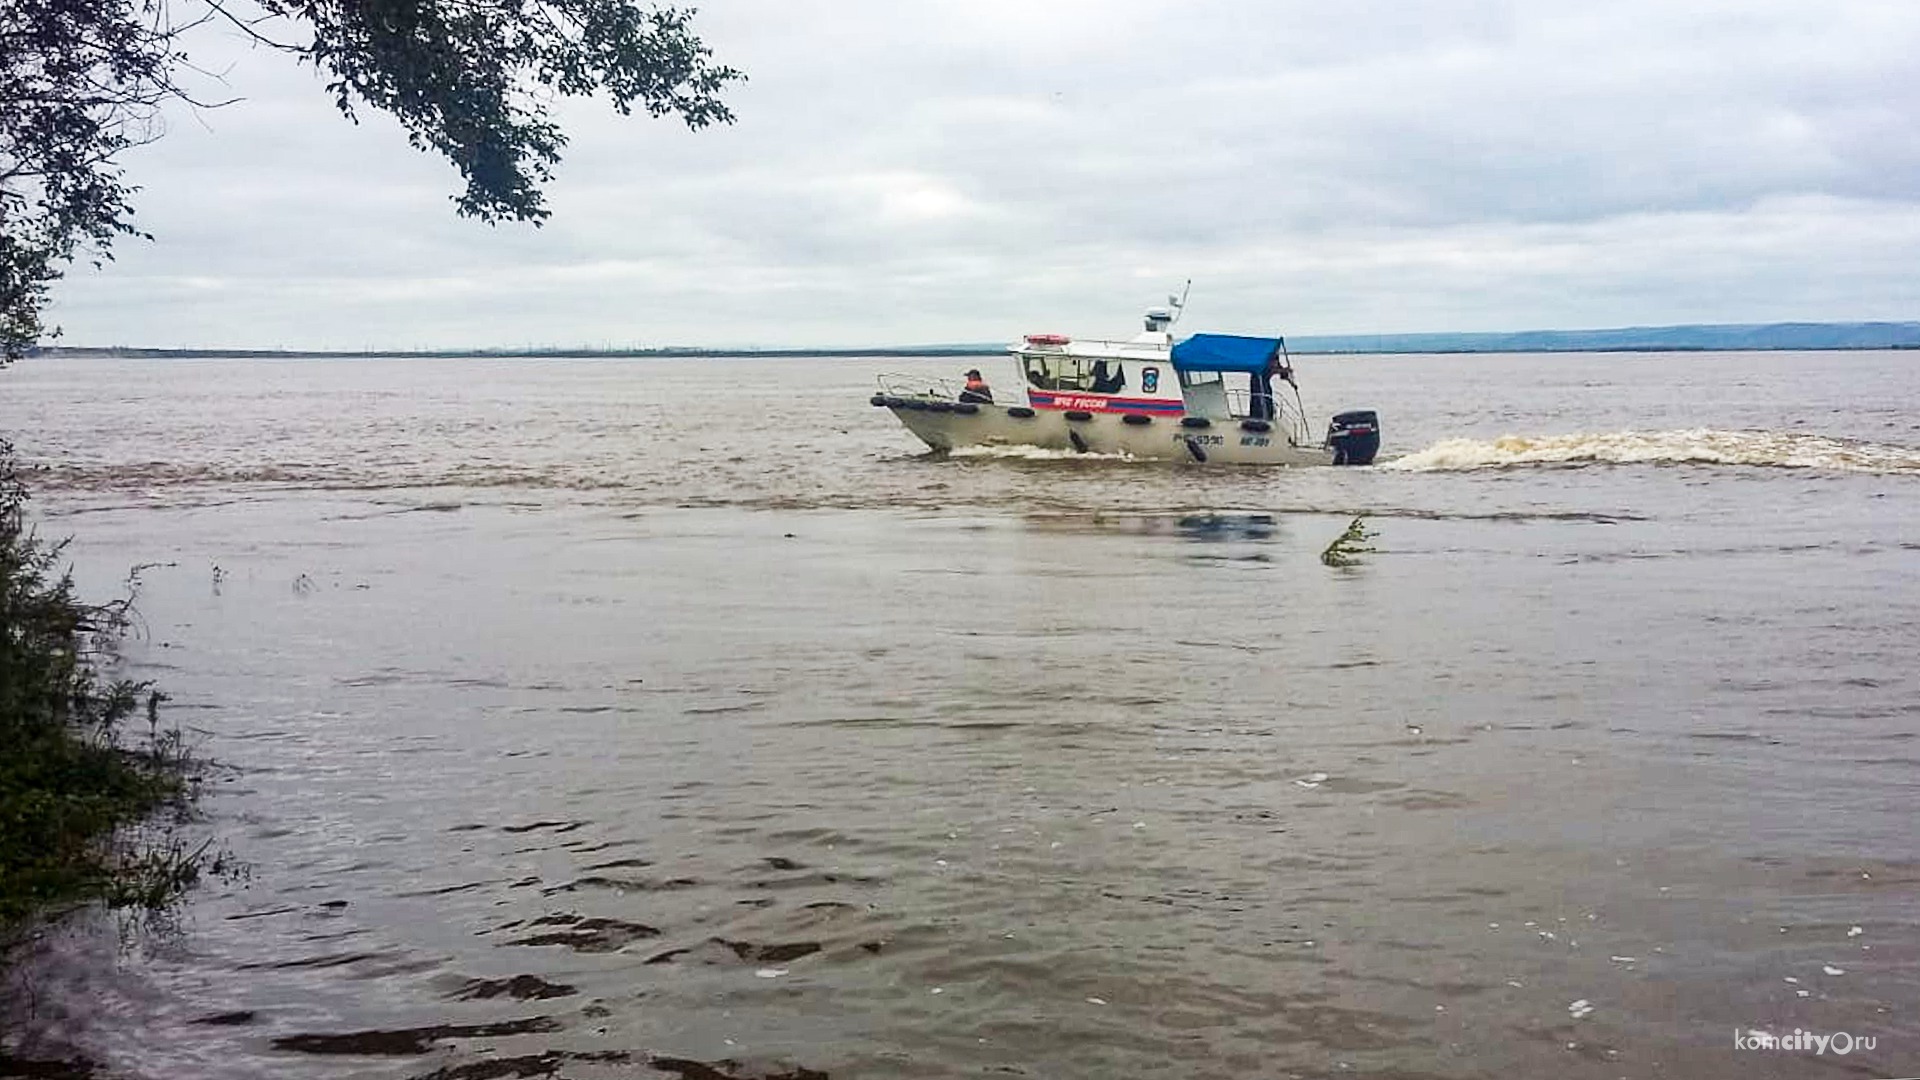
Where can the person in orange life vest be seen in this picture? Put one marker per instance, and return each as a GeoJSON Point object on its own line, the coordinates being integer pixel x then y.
{"type": "Point", "coordinates": [977, 390]}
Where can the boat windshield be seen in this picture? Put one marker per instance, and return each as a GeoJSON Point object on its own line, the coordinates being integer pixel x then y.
{"type": "Point", "coordinates": [1209, 394]}
{"type": "Point", "coordinates": [1205, 393]}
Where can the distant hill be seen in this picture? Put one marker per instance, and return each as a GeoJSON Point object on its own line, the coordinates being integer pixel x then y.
{"type": "Point", "coordinates": [1713, 338]}
{"type": "Point", "coordinates": [1717, 338]}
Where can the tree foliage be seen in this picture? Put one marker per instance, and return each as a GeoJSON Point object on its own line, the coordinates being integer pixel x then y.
{"type": "Point", "coordinates": [470, 79]}
{"type": "Point", "coordinates": [81, 81]}
{"type": "Point", "coordinates": [71, 781]}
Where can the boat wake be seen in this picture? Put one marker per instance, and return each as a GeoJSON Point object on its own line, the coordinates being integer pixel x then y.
{"type": "Point", "coordinates": [1699, 446]}
{"type": "Point", "coordinates": [1033, 453]}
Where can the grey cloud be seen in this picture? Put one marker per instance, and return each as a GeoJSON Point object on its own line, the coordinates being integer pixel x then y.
{"type": "Point", "coordinates": [960, 172]}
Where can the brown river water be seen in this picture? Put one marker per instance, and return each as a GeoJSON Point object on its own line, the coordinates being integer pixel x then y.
{"type": "Point", "coordinates": [684, 718]}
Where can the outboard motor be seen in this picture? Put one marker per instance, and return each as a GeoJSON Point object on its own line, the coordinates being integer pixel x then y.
{"type": "Point", "coordinates": [1354, 437]}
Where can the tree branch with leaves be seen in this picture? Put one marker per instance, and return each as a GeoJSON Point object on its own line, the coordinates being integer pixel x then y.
{"type": "Point", "coordinates": [82, 81]}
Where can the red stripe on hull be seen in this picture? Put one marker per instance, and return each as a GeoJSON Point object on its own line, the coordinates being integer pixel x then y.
{"type": "Point", "coordinates": [1102, 403]}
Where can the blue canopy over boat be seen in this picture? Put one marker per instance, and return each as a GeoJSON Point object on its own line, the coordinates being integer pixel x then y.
{"type": "Point", "coordinates": [1225, 352]}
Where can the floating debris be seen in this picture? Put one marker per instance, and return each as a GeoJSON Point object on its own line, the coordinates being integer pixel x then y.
{"type": "Point", "coordinates": [1313, 780]}
{"type": "Point", "coordinates": [1579, 1009]}
{"type": "Point", "coordinates": [1854, 931]}
{"type": "Point", "coordinates": [1347, 548]}
{"type": "Point", "coordinates": [1831, 970]}
{"type": "Point", "coordinates": [770, 973]}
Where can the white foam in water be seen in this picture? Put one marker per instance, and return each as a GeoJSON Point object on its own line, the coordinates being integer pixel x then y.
{"type": "Point", "coordinates": [1768, 449]}
{"type": "Point", "coordinates": [1033, 453]}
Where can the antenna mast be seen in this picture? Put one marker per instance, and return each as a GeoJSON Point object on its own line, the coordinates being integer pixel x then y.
{"type": "Point", "coordinates": [1180, 305]}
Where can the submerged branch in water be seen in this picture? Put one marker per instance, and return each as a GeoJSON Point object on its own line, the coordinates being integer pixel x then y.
{"type": "Point", "coordinates": [1347, 548]}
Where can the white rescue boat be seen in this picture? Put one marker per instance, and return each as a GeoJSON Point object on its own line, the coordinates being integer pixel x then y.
{"type": "Point", "coordinates": [1206, 398]}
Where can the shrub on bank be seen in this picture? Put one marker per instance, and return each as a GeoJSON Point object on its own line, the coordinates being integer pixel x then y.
{"type": "Point", "coordinates": [73, 785]}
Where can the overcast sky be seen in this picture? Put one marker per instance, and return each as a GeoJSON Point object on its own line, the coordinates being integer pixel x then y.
{"type": "Point", "coordinates": [908, 172]}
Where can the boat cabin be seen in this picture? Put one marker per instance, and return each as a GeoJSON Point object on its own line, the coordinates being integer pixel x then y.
{"type": "Point", "coordinates": [1099, 376]}
{"type": "Point", "coordinates": [1217, 376]}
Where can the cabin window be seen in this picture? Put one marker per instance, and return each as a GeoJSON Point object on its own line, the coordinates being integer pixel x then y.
{"type": "Point", "coordinates": [1208, 393]}
{"type": "Point", "coordinates": [1057, 372]}
{"type": "Point", "coordinates": [1205, 394]}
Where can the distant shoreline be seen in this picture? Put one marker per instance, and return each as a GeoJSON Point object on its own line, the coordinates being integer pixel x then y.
{"type": "Point", "coordinates": [798, 354]}
{"type": "Point", "coordinates": [505, 354]}
{"type": "Point", "coordinates": [1768, 337]}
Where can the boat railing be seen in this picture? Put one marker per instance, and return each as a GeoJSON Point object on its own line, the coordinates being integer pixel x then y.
{"type": "Point", "coordinates": [1097, 347]}
{"type": "Point", "coordinates": [918, 387]}
{"type": "Point", "coordinates": [1287, 418]}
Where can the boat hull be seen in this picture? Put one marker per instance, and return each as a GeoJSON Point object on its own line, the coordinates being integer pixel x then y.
{"type": "Point", "coordinates": [944, 426]}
